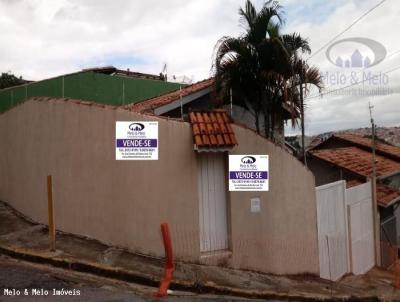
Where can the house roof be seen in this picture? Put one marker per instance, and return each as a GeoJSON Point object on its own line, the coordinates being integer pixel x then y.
{"type": "Point", "coordinates": [387, 150]}
{"type": "Point", "coordinates": [385, 195]}
{"type": "Point", "coordinates": [170, 97]}
{"type": "Point", "coordinates": [111, 70]}
{"type": "Point", "coordinates": [212, 130]}
{"type": "Point", "coordinates": [357, 161]}
{"type": "Point", "coordinates": [381, 148]}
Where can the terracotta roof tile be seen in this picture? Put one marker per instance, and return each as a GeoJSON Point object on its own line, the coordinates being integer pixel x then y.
{"type": "Point", "coordinates": [192, 117]}
{"type": "Point", "coordinates": [198, 141]}
{"type": "Point", "coordinates": [220, 140]}
{"type": "Point", "coordinates": [229, 128]}
{"type": "Point", "coordinates": [206, 139]}
{"type": "Point", "coordinates": [213, 117]}
{"type": "Point", "coordinates": [213, 140]}
{"type": "Point", "coordinates": [203, 129]}
{"type": "Point", "coordinates": [366, 143]}
{"type": "Point", "coordinates": [169, 97]}
{"type": "Point", "coordinates": [385, 195]}
{"type": "Point", "coordinates": [233, 139]}
{"type": "Point", "coordinates": [227, 139]}
{"type": "Point", "coordinates": [217, 128]}
{"type": "Point", "coordinates": [219, 118]}
{"type": "Point", "coordinates": [223, 128]}
{"type": "Point", "coordinates": [211, 129]}
{"type": "Point", "coordinates": [353, 183]}
{"type": "Point", "coordinates": [357, 161]}
{"type": "Point", "coordinates": [196, 130]}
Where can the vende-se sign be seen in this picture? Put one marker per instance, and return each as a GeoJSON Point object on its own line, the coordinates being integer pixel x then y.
{"type": "Point", "coordinates": [248, 173]}
{"type": "Point", "coordinates": [136, 140]}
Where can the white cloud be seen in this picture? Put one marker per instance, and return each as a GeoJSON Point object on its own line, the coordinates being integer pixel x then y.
{"type": "Point", "coordinates": [334, 112]}
{"type": "Point", "coordinates": [46, 38]}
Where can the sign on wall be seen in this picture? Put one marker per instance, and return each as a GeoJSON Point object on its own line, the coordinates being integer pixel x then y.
{"type": "Point", "coordinates": [255, 205]}
{"type": "Point", "coordinates": [136, 141]}
{"type": "Point", "coordinates": [248, 173]}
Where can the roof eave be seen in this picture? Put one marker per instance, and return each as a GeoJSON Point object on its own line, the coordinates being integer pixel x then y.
{"type": "Point", "coordinates": [181, 101]}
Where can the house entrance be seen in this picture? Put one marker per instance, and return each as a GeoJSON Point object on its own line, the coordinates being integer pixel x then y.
{"type": "Point", "coordinates": [213, 205]}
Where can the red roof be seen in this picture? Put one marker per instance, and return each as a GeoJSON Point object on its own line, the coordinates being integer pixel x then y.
{"type": "Point", "coordinates": [385, 195]}
{"type": "Point", "coordinates": [212, 130]}
{"type": "Point", "coordinates": [366, 143]}
{"type": "Point", "coordinates": [357, 161]}
{"type": "Point", "coordinates": [353, 183]}
{"type": "Point", "coordinates": [169, 97]}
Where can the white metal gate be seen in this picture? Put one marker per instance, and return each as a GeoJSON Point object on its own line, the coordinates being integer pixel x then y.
{"type": "Point", "coordinates": [345, 229]}
{"type": "Point", "coordinates": [332, 230]}
{"type": "Point", "coordinates": [213, 207]}
{"type": "Point", "coordinates": [359, 203]}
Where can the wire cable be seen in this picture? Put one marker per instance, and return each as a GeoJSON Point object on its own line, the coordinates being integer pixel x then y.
{"type": "Point", "coordinates": [347, 28]}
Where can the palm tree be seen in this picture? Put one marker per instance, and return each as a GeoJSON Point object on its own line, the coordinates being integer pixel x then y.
{"type": "Point", "coordinates": [263, 68]}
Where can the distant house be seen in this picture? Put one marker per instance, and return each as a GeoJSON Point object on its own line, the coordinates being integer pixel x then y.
{"type": "Point", "coordinates": [199, 96]}
{"type": "Point", "coordinates": [105, 85]}
{"type": "Point", "coordinates": [349, 157]}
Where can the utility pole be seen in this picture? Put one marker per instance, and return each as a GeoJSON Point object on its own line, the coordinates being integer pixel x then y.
{"type": "Point", "coordinates": [303, 147]}
{"type": "Point", "coordinates": [180, 99]}
{"type": "Point", "coordinates": [373, 185]}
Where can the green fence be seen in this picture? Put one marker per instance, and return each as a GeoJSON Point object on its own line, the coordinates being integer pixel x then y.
{"type": "Point", "coordinates": [89, 86]}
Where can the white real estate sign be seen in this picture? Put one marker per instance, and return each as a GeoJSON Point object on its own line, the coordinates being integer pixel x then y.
{"type": "Point", "coordinates": [248, 173]}
{"type": "Point", "coordinates": [136, 141]}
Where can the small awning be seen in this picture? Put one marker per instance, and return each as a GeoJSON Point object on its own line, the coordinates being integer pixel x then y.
{"type": "Point", "coordinates": [212, 131]}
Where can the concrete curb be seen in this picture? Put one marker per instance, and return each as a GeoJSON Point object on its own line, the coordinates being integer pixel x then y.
{"type": "Point", "coordinates": [148, 280]}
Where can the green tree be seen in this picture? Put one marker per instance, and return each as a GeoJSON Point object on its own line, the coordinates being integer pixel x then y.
{"type": "Point", "coordinates": [264, 69]}
{"type": "Point", "coordinates": [7, 79]}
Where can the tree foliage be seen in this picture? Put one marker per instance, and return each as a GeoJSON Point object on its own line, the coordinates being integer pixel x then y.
{"type": "Point", "coordinates": [264, 69]}
{"type": "Point", "coordinates": [7, 79]}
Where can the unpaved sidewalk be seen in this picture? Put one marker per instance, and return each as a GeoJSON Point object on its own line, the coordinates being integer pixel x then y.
{"type": "Point", "coordinates": [24, 239]}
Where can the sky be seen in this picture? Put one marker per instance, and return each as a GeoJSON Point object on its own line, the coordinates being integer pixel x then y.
{"type": "Point", "coordinates": [45, 38]}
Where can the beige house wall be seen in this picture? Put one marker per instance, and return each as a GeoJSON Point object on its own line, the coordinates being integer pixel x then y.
{"type": "Point", "coordinates": [123, 202]}
{"type": "Point", "coordinates": [117, 202]}
{"type": "Point", "coordinates": [282, 238]}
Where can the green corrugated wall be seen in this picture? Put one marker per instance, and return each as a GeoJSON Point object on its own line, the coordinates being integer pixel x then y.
{"type": "Point", "coordinates": [89, 86]}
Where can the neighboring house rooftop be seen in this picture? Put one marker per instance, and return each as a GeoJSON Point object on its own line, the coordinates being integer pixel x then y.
{"type": "Point", "coordinates": [212, 130]}
{"type": "Point", "coordinates": [357, 161]}
{"type": "Point", "coordinates": [195, 90]}
{"type": "Point", "coordinates": [111, 70]}
{"type": "Point", "coordinates": [171, 100]}
{"type": "Point", "coordinates": [386, 150]}
{"type": "Point", "coordinates": [385, 195]}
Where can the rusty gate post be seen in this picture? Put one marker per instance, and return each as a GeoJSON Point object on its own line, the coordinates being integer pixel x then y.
{"type": "Point", "coordinates": [52, 230]}
{"type": "Point", "coordinates": [169, 262]}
